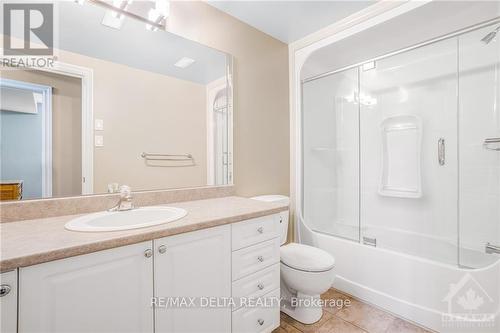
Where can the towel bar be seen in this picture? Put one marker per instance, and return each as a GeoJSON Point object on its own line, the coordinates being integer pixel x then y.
{"type": "Point", "coordinates": [166, 157]}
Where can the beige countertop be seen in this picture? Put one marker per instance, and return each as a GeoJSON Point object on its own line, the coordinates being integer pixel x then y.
{"type": "Point", "coordinates": [31, 242]}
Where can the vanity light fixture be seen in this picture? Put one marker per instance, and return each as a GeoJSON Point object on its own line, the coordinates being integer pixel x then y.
{"type": "Point", "coordinates": [158, 14]}
{"type": "Point", "coordinates": [113, 18]}
{"type": "Point", "coordinates": [122, 5]}
{"type": "Point", "coordinates": [184, 62]}
{"type": "Point", "coordinates": [117, 10]}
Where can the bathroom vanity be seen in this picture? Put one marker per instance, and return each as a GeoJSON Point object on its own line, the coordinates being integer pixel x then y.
{"type": "Point", "coordinates": [183, 276]}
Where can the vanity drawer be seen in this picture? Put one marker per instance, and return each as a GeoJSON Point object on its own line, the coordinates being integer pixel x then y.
{"type": "Point", "coordinates": [254, 258]}
{"type": "Point", "coordinates": [255, 231]}
{"type": "Point", "coordinates": [258, 319]}
{"type": "Point", "coordinates": [257, 284]}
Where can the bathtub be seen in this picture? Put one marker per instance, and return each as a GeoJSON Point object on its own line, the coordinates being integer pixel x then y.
{"type": "Point", "coordinates": [432, 247]}
{"type": "Point", "coordinates": [422, 290]}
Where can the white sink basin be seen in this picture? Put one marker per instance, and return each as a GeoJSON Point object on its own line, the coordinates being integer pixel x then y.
{"type": "Point", "coordinates": [124, 220]}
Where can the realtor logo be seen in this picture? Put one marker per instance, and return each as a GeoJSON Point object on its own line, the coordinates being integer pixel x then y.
{"type": "Point", "coordinates": [28, 29]}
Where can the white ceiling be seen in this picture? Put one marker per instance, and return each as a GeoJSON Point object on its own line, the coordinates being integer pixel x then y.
{"type": "Point", "coordinates": [289, 21]}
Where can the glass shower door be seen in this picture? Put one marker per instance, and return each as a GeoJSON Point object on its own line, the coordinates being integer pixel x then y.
{"type": "Point", "coordinates": [408, 126]}
{"type": "Point", "coordinates": [330, 145]}
{"type": "Point", "coordinates": [479, 213]}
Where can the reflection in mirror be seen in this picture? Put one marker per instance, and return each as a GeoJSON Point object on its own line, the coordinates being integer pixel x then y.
{"type": "Point", "coordinates": [125, 103]}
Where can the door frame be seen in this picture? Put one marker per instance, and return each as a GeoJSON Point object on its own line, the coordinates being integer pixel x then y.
{"type": "Point", "coordinates": [46, 113]}
{"type": "Point", "coordinates": [212, 89]}
{"type": "Point", "coordinates": [86, 75]}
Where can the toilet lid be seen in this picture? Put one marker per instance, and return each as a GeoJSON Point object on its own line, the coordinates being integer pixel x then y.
{"type": "Point", "coordinates": [306, 258]}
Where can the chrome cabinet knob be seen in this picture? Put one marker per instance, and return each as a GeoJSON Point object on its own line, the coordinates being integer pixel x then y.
{"type": "Point", "coordinates": [148, 253]}
{"type": "Point", "coordinates": [162, 249]}
{"type": "Point", "coordinates": [260, 321]}
{"type": "Point", "coordinates": [260, 258]}
{"type": "Point", "coordinates": [260, 230]}
{"type": "Point", "coordinates": [4, 290]}
{"type": "Point", "coordinates": [260, 286]}
{"type": "Point", "coordinates": [281, 219]}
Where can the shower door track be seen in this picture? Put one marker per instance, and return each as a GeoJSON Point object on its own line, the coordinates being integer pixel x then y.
{"type": "Point", "coordinates": [413, 47]}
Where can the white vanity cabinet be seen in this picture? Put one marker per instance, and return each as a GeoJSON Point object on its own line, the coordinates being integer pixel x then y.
{"type": "Point", "coordinates": [105, 291]}
{"type": "Point", "coordinates": [8, 302]}
{"type": "Point", "coordinates": [149, 286]}
{"type": "Point", "coordinates": [197, 266]}
{"type": "Point", "coordinates": [256, 274]}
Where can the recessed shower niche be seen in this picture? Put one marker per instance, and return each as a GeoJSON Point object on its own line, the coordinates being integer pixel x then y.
{"type": "Point", "coordinates": [402, 141]}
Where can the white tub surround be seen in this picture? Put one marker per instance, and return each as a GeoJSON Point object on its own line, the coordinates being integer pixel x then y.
{"type": "Point", "coordinates": [413, 288]}
{"type": "Point", "coordinates": [406, 219]}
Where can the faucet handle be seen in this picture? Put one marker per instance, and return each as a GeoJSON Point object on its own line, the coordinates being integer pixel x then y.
{"type": "Point", "coordinates": [125, 191]}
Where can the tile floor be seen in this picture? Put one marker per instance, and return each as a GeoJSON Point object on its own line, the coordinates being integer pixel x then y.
{"type": "Point", "coordinates": [359, 317]}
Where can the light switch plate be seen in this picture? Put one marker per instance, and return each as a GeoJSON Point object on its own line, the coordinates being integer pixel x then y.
{"type": "Point", "coordinates": [99, 125]}
{"type": "Point", "coordinates": [99, 141]}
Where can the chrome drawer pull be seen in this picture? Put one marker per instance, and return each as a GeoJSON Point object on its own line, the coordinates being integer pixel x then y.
{"type": "Point", "coordinates": [148, 253]}
{"type": "Point", "coordinates": [260, 258]}
{"type": "Point", "coordinates": [260, 286]}
{"type": "Point", "coordinates": [260, 321]}
{"type": "Point", "coordinates": [162, 249]}
{"type": "Point", "coordinates": [260, 230]}
{"type": "Point", "coordinates": [4, 290]}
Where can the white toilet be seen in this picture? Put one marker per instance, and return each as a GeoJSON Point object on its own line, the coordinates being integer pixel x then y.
{"type": "Point", "coordinates": [306, 272]}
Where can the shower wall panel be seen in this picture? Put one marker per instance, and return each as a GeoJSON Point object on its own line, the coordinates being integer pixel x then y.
{"type": "Point", "coordinates": [331, 154]}
{"type": "Point", "coordinates": [419, 84]}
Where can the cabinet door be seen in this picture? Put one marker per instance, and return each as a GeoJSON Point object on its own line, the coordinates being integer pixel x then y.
{"type": "Point", "coordinates": [8, 302]}
{"type": "Point", "coordinates": [106, 291]}
{"type": "Point", "coordinates": [197, 264]}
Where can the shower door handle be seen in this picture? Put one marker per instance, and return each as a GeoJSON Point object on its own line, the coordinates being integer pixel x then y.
{"type": "Point", "coordinates": [441, 151]}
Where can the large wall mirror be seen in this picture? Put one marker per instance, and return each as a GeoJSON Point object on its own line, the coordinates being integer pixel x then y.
{"type": "Point", "coordinates": [125, 103]}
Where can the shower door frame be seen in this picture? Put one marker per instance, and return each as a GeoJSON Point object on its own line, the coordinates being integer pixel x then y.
{"type": "Point", "coordinates": [299, 151]}
{"type": "Point", "coordinates": [406, 49]}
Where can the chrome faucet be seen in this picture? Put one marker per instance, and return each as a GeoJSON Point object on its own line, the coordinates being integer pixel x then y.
{"type": "Point", "coordinates": [125, 202]}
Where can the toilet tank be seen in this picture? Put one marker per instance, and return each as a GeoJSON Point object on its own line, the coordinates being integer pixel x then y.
{"type": "Point", "coordinates": [282, 199]}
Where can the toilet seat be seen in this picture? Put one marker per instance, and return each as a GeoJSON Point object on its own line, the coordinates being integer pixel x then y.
{"type": "Point", "coordinates": [306, 258]}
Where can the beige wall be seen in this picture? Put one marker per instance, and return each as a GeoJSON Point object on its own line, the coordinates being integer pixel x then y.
{"type": "Point", "coordinates": [145, 112]}
{"type": "Point", "coordinates": [66, 128]}
{"type": "Point", "coordinates": [261, 116]}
